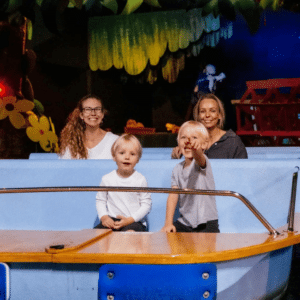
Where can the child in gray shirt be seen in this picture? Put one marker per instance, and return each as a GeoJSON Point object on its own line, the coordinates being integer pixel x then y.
{"type": "Point", "coordinates": [198, 213]}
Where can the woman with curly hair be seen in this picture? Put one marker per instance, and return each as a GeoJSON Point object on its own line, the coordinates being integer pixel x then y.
{"type": "Point", "coordinates": [82, 137]}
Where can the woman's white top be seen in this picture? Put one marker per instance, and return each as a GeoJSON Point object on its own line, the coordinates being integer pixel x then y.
{"type": "Point", "coordinates": [101, 151]}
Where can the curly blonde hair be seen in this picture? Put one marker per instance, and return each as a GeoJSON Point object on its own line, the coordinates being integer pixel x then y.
{"type": "Point", "coordinates": [72, 135]}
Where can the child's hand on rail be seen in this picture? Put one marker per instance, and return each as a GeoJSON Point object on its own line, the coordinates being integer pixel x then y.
{"type": "Point", "coordinates": [168, 228]}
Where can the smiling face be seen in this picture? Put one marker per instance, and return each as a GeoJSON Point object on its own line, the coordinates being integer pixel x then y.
{"type": "Point", "coordinates": [92, 112]}
{"type": "Point", "coordinates": [209, 113]}
{"type": "Point", "coordinates": [186, 136]}
{"type": "Point", "coordinates": [126, 156]}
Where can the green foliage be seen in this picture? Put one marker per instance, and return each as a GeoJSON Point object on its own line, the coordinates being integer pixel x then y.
{"type": "Point", "coordinates": [38, 106]}
{"type": "Point", "coordinates": [251, 12]}
{"type": "Point", "coordinates": [275, 4]}
{"type": "Point", "coordinates": [211, 7]}
{"type": "Point", "coordinates": [110, 4]}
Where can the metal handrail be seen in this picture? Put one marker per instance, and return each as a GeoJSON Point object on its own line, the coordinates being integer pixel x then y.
{"type": "Point", "coordinates": [147, 190]}
{"type": "Point", "coordinates": [291, 214]}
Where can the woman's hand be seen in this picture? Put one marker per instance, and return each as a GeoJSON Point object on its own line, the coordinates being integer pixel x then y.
{"type": "Point", "coordinates": [108, 222]}
{"type": "Point", "coordinates": [124, 221]}
{"type": "Point", "coordinates": [168, 228]}
{"type": "Point", "coordinates": [176, 153]}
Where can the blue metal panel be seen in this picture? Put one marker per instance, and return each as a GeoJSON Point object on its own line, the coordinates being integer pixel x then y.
{"type": "Point", "coordinates": [4, 281]}
{"type": "Point", "coordinates": [161, 282]}
{"type": "Point", "coordinates": [279, 270]}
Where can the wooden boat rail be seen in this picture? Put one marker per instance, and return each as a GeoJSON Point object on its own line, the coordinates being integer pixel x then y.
{"type": "Point", "coordinates": [249, 205]}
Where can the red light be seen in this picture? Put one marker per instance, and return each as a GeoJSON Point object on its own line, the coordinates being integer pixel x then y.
{"type": "Point", "coordinates": [2, 89]}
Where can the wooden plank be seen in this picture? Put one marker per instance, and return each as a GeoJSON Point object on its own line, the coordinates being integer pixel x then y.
{"type": "Point", "coordinates": [32, 245]}
{"type": "Point", "coordinates": [76, 240]}
{"type": "Point", "coordinates": [179, 248]}
{"type": "Point", "coordinates": [176, 248]}
{"type": "Point", "coordinates": [140, 248]}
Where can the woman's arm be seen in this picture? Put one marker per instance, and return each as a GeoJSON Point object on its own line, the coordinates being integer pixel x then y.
{"type": "Point", "coordinates": [176, 153]}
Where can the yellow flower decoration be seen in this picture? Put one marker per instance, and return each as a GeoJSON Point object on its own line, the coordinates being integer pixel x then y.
{"type": "Point", "coordinates": [56, 148]}
{"type": "Point", "coordinates": [39, 132]}
{"type": "Point", "coordinates": [10, 107]}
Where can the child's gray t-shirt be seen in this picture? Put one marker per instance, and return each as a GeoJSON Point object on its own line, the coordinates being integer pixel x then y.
{"type": "Point", "coordinates": [195, 209]}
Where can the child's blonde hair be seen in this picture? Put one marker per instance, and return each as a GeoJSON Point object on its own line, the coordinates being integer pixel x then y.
{"type": "Point", "coordinates": [125, 137]}
{"type": "Point", "coordinates": [199, 127]}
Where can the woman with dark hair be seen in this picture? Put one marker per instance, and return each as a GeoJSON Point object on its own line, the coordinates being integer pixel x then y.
{"type": "Point", "coordinates": [82, 137]}
{"type": "Point", "coordinates": [209, 110]}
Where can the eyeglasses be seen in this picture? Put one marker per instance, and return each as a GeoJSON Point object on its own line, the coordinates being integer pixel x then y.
{"type": "Point", "coordinates": [89, 110]}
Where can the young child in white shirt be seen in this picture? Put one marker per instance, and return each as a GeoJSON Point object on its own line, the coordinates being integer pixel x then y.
{"type": "Point", "coordinates": [124, 211]}
{"type": "Point", "coordinates": [198, 213]}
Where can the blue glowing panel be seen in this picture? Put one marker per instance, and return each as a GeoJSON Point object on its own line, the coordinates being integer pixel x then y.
{"type": "Point", "coordinates": [4, 282]}
{"type": "Point", "coordinates": [157, 282]}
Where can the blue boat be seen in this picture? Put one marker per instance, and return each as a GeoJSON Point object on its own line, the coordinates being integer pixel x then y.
{"type": "Point", "coordinates": [50, 250]}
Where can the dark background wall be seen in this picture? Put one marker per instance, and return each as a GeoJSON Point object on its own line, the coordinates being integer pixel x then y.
{"type": "Point", "coordinates": [62, 76]}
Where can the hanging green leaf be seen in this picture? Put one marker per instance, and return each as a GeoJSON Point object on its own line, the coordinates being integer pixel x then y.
{"type": "Point", "coordinates": [153, 3]}
{"type": "Point", "coordinates": [131, 6]}
{"type": "Point", "coordinates": [267, 3]}
{"type": "Point", "coordinates": [76, 3]}
{"type": "Point", "coordinates": [276, 4]}
{"type": "Point", "coordinates": [110, 4]}
{"type": "Point", "coordinates": [39, 107]}
{"type": "Point", "coordinates": [211, 7]}
{"type": "Point", "coordinates": [29, 30]}
{"type": "Point", "coordinates": [251, 13]}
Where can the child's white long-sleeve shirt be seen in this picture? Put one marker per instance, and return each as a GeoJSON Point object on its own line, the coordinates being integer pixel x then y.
{"type": "Point", "coordinates": [135, 205]}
